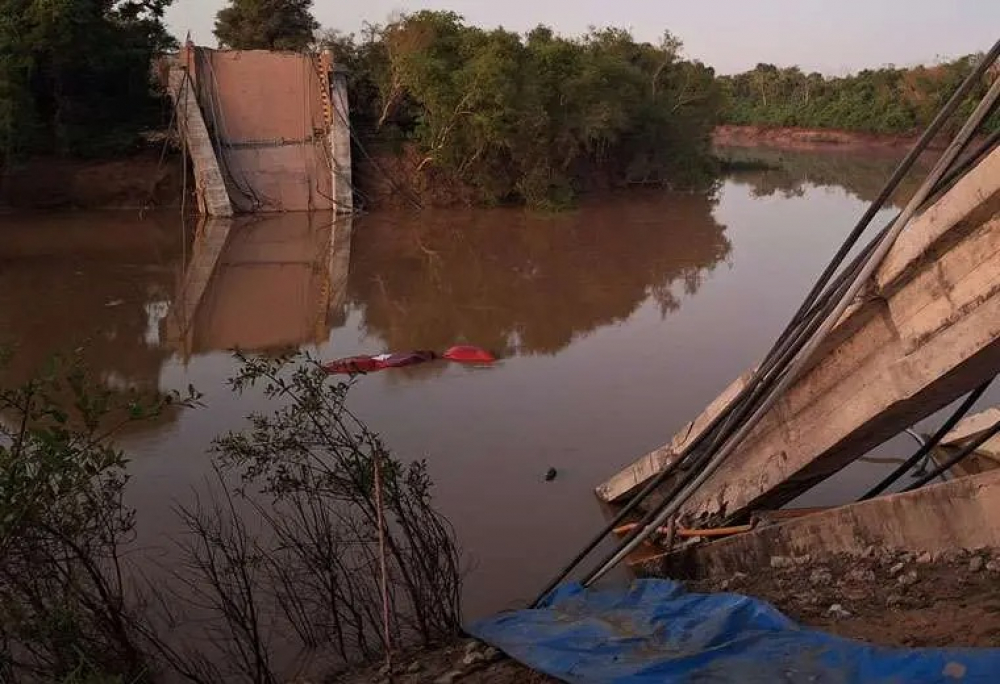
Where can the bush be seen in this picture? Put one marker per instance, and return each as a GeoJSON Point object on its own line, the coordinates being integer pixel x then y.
{"type": "Point", "coordinates": [535, 119]}
{"type": "Point", "coordinates": [328, 547]}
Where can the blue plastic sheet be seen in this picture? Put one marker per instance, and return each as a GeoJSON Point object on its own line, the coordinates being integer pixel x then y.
{"type": "Point", "coordinates": [655, 631]}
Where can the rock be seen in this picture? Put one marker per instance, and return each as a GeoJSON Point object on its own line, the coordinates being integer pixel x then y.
{"type": "Point", "coordinates": [449, 677]}
{"type": "Point", "coordinates": [993, 566]}
{"type": "Point", "coordinates": [893, 600]}
{"type": "Point", "coordinates": [385, 670]}
{"type": "Point", "coordinates": [925, 558]}
{"type": "Point", "coordinates": [838, 612]}
{"type": "Point", "coordinates": [414, 667]}
{"type": "Point", "coordinates": [724, 585]}
{"type": "Point", "coordinates": [781, 562]}
{"type": "Point", "coordinates": [869, 552]}
{"type": "Point", "coordinates": [861, 575]}
{"type": "Point", "coordinates": [491, 655]}
{"type": "Point", "coordinates": [905, 557]}
{"type": "Point", "coordinates": [473, 658]}
{"type": "Point", "coordinates": [908, 579]}
{"type": "Point", "coordinates": [471, 645]}
{"type": "Point", "coordinates": [804, 559]}
{"type": "Point", "coordinates": [954, 670]}
{"type": "Point", "coordinates": [820, 576]}
{"type": "Point", "coordinates": [896, 569]}
{"type": "Point", "coordinates": [976, 564]}
{"type": "Point", "coordinates": [739, 576]}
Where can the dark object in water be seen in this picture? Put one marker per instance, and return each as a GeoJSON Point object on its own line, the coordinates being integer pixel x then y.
{"type": "Point", "coordinates": [354, 365]}
{"type": "Point", "coordinates": [551, 474]}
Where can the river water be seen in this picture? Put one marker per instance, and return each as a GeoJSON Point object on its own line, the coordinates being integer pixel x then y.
{"type": "Point", "coordinates": [616, 324]}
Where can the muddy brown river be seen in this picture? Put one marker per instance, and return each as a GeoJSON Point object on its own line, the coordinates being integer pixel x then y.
{"type": "Point", "coordinates": [616, 324]}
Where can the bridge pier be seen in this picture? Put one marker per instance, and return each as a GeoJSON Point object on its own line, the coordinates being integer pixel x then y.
{"type": "Point", "coordinates": [266, 131]}
{"type": "Point", "coordinates": [210, 188]}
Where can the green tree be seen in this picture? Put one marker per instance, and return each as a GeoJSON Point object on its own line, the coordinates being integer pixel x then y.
{"type": "Point", "coordinates": [885, 100]}
{"type": "Point", "coordinates": [266, 25]}
{"type": "Point", "coordinates": [535, 118]}
{"type": "Point", "coordinates": [75, 75]}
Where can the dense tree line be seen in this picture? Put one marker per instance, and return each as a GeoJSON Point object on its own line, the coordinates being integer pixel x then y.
{"type": "Point", "coordinates": [75, 75]}
{"type": "Point", "coordinates": [886, 100]}
{"type": "Point", "coordinates": [532, 118]}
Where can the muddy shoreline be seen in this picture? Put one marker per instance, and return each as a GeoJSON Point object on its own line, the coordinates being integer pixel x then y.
{"type": "Point", "coordinates": [813, 139]}
{"type": "Point", "coordinates": [142, 180]}
{"type": "Point", "coordinates": [147, 178]}
{"type": "Point", "coordinates": [883, 597]}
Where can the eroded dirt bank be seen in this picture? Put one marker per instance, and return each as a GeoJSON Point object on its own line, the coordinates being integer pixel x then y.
{"type": "Point", "coordinates": [810, 139]}
{"type": "Point", "coordinates": [883, 597]}
{"type": "Point", "coordinates": [139, 180]}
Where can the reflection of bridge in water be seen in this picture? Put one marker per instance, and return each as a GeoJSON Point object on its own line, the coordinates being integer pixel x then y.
{"type": "Point", "coordinates": [261, 284]}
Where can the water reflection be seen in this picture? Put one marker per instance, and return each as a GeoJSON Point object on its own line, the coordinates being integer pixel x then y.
{"type": "Point", "coordinates": [525, 283]}
{"type": "Point", "coordinates": [95, 283]}
{"type": "Point", "coordinates": [792, 172]}
{"type": "Point", "coordinates": [261, 284]}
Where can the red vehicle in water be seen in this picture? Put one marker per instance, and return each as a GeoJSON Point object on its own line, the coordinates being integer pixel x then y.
{"type": "Point", "coordinates": [357, 365]}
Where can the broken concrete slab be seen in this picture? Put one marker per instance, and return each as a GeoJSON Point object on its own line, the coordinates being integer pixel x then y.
{"type": "Point", "coordinates": [929, 333]}
{"type": "Point", "coordinates": [937, 519]}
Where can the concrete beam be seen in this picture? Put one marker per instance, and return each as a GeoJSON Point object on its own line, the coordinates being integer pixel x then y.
{"type": "Point", "coordinates": [961, 514]}
{"type": "Point", "coordinates": [210, 188]}
{"type": "Point", "coordinates": [929, 333]}
{"type": "Point", "coordinates": [971, 427]}
{"type": "Point", "coordinates": [340, 143]}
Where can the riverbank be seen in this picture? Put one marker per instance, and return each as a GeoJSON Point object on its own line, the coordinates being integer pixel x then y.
{"type": "Point", "coordinates": [140, 180]}
{"type": "Point", "coordinates": [885, 597]}
{"type": "Point", "coordinates": [385, 179]}
{"type": "Point", "coordinates": [810, 139]}
{"type": "Point", "coordinates": [882, 597]}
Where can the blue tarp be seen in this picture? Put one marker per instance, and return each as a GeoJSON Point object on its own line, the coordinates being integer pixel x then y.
{"type": "Point", "coordinates": [655, 631]}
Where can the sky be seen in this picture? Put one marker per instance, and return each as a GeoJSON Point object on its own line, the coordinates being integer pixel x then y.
{"type": "Point", "coordinates": [830, 36]}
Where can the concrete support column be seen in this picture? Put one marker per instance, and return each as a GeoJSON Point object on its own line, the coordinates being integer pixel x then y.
{"type": "Point", "coordinates": [340, 142]}
{"type": "Point", "coordinates": [210, 188]}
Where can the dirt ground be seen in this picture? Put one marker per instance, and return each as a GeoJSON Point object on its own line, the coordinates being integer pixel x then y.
{"type": "Point", "coordinates": [883, 597]}
{"type": "Point", "coordinates": [465, 662]}
{"type": "Point", "coordinates": [139, 180]}
{"type": "Point", "coordinates": [791, 138]}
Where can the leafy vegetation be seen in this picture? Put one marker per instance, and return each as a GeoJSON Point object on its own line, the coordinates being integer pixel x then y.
{"type": "Point", "coordinates": [64, 611]}
{"type": "Point", "coordinates": [887, 100]}
{"type": "Point", "coordinates": [314, 541]}
{"type": "Point", "coordinates": [75, 75]}
{"type": "Point", "coordinates": [266, 25]}
{"type": "Point", "coordinates": [533, 118]}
